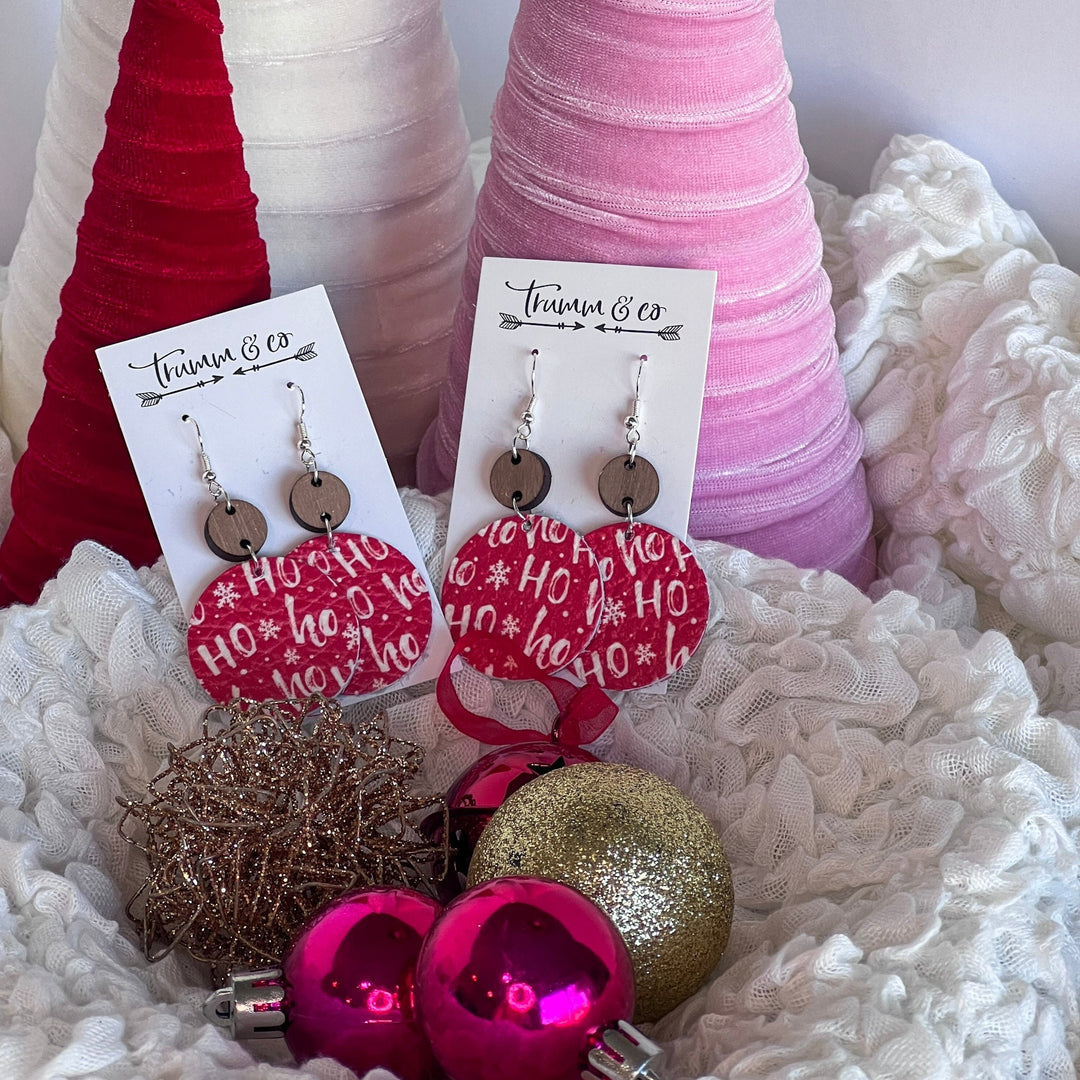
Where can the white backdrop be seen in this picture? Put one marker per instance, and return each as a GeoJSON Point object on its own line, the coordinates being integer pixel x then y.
{"type": "Point", "coordinates": [996, 78]}
{"type": "Point", "coordinates": [26, 50]}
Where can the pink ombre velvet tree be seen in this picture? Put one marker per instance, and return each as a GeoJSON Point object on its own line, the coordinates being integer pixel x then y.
{"type": "Point", "coordinates": [659, 132]}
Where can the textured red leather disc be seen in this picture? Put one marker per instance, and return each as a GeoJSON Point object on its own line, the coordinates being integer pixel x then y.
{"type": "Point", "coordinates": [391, 600]}
{"type": "Point", "coordinates": [289, 633]}
{"type": "Point", "coordinates": [656, 608]}
{"type": "Point", "coordinates": [540, 587]}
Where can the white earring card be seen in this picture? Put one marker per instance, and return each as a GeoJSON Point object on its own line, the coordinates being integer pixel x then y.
{"type": "Point", "coordinates": [590, 323]}
{"type": "Point", "coordinates": [231, 373]}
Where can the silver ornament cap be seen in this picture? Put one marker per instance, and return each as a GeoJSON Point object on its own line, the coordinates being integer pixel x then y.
{"type": "Point", "coordinates": [623, 1053]}
{"type": "Point", "coordinates": [250, 1005]}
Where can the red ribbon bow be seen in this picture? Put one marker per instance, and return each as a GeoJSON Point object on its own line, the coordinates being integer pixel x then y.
{"type": "Point", "coordinates": [585, 712]}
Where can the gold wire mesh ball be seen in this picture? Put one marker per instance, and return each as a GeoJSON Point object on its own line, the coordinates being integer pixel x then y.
{"type": "Point", "coordinates": [641, 851]}
{"type": "Point", "coordinates": [253, 827]}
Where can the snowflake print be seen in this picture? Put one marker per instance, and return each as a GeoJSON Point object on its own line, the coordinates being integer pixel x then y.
{"type": "Point", "coordinates": [543, 587]}
{"type": "Point", "coordinates": [644, 654]}
{"type": "Point", "coordinates": [292, 656]}
{"type": "Point", "coordinates": [225, 594]}
{"type": "Point", "coordinates": [498, 575]}
{"type": "Point", "coordinates": [268, 629]}
{"type": "Point", "coordinates": [353, 635]}
{"type": "Point", "coordinates": [614, 613]}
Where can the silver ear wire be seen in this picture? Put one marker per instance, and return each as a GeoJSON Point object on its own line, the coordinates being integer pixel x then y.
{"type": "Point", "coordinates": [307, 451]}
{"type": "Point", "coordinates": [633, 422]}
{"type": "Point", "coordinates": [217, 492]}
{"type": "Point", "coordinates": [524, 429]}
{"type": "Point", "coordinates": [248, 528]}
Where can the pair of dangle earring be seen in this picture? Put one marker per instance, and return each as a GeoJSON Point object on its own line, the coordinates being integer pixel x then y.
{"type": "Point", "coordinates": [343, 613]}
{"type": "Point", "coordinates": [656, 596]}
{"type": "Point", "coordinates": [526, 576]}
{"type": "Point", "coordinates": [625, 606]}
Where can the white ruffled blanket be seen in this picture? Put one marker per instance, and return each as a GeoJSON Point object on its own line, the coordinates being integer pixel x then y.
{"type": "Point", "coordinates": [898, 792]}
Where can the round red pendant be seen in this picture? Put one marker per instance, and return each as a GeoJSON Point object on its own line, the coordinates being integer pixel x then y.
{"type": "Point", "coordinates": [285, 633]}
{"type": "Point", "coordinates": [539, 586]}
{"type": "Point", "coordinates": [656, 608]}
{"type": "Point", "coordinates": [391, 600]}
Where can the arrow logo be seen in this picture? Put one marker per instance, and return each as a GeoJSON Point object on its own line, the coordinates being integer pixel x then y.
{"type": "Point", "coordinates": [669, 333]}
{"type": "Point", "coordinates": [512, 322]}
{"type": "Point", "coordinates": [306, 353]}
{"type": "Point", "coordinates": [152, 398]}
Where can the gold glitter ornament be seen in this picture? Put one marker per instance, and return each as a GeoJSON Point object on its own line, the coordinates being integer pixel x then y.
{"type": "Point", "coordinates": [253, 827]}
{"type": "Point", "coordinates": [641, 851]}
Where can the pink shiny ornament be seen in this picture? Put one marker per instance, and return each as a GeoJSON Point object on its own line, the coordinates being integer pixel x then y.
{"type": "Point", "coordinates": [349, 983]}
{"type": "Point", "coordinates": [517, 980]}
{"type": "Point", "coordinates": [486, 785]}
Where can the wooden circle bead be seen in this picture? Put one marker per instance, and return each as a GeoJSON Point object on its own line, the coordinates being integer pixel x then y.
{"type": "Point", "coordinates": [318, 505]}
{"type": "Point", "coordinates": [623, 480]}
{"type": "Point", "coordinates": [523, 476]}
{"type": "Point", "coordinates": [235, 531]}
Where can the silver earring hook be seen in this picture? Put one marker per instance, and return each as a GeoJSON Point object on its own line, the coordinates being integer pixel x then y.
{"type": "Point", "coordinates": [217, 491]}
{"type": "Point", "coordinates": [307, 451]}
{"type": "Point", "coordinates": [524, 429]}
{"type": "Point", "coordinates": [633, 422]}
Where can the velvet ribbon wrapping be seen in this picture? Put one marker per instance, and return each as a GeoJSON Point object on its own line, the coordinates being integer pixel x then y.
{"type": "Point", "coordinates": [356, 146]}
{"type": "Point", "coordinates": [659, 132]}
{"type": "Point", "coordinates": [168, 235]}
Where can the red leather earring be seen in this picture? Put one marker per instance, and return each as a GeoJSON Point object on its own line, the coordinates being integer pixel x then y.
{"type": "Point", "coordinates": [389, 595]}
{"type": "Point", "coordinates": [266, 627]}
{"type": "Point", "coordinates": [526, 577]}
{"type": "Point", "coordinates": [656, 596]}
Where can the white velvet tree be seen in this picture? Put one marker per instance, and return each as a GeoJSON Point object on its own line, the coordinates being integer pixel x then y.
{"type": "Point", "coordinates": [356, 146]}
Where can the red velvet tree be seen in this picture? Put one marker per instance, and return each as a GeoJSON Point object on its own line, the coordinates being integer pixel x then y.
{"type": "Point", "coordinates": [168, 235]}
